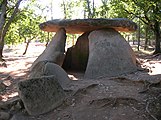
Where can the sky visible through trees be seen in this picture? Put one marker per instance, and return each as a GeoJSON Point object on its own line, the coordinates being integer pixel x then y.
{"type": "Point", "coordinates": [24, 26]}
{"type": "Point", "coordinates": [52, 8]}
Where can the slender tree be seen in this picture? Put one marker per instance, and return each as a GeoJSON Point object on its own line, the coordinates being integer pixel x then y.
{"type": "Point", "coordinates": [146, 38]}
{"type": "Point", "coordinates": [89, 9]}
{"type": "Point", "coordinates": [4, 24]}
{"type": "Point", "coordinates": [138, 36]}
{"type": "Point", "coordinates": [64, 9]}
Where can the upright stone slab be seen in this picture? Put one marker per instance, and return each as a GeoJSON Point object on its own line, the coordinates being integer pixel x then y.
{"type": "Point", "coordinates": [41, 95]}
{"type": "Point", "coordinates": [77, 56]}
{"type": "Point", "coordinates": [45, 68]}
{"type": "Point", "coordinates": [55, 51]}
{"type": "Point", "coordinates": [109, 55]}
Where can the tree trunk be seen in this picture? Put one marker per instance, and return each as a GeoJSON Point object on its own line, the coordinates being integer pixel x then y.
{"type": "Point", "coordinates": [133, 40]}
{"type": "Point", "coordinates": [93, 14]}
{"type": "Point", "coordinates": [84, 14]}
{"type": "Point", "coordinates": [128, 38]}
{"type": "Point", "coordinates": [146, 38]}
{"type": "Point", "coordinates": [138, 36]}
{"type": "Point", "coordinates": [1, 46]}
{"type": "Point", "coordinates": [157, 37]}
{"type": "Point", "coordinates": [7, 25]}
{"type": "Point", "coordinates": [27, 45]}
{"type": "Point", "coordinates": [48, 39]}
{"type": "Point", "coordinates": [1, 51]}
{"type": "Point", "coordinates": [51, 9]}
{"type": "Point", "coordinates": [11, 18]}
{"type": "Point", "coordinates": [2, 23]}
{"type": "Point", "coordinates": [89, 9]}
{"type": "Point", "coordinates": [65, 12]}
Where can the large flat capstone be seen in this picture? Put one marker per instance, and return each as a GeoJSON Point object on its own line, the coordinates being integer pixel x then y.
{"type": "Point", "coordinates": [78, 26]}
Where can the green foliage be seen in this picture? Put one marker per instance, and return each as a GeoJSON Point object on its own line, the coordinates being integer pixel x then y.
{"type": "Point", "coordinates": [25, 26]}
{"type": "Point", "coordinates": [146, 10]}
{"type": "Point", "coordinates": [103, 10]}
{"type": "Point", "coordinates": [70, 8]}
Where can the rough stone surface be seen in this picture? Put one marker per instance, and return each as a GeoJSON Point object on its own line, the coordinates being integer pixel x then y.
{"type": "Point", "coordinates": [19, 117]}
{"type": "Point", "coordinates": [77, 56]}
{"type": "Point", "coordinates": [55, 50]}
{"type": "Point", "coordinates": [24, 116]}
{"type": "Point", "coordinates": [78, 26]}
{"type": "Point", "coordinates": [109, 55]}
{"type": "Point", "coordinates": [2, 86]}
{"type": "Point", "coordinates": [44, 68]}
{"type": "Point", "coordinates": [41, 95]}
{"type": "Point", "coordinates": [4, 116]}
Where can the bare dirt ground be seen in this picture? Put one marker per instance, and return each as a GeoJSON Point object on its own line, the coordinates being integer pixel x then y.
{"type": "Point", "coordinates": [134, 96]}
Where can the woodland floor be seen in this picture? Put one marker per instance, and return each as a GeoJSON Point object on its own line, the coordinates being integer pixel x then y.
{"type": "Point", "coordinates": [135, 96]}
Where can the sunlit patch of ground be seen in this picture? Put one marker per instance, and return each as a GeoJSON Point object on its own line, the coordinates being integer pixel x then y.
{"type": "Point", "coordinates": [154, 66]}
{"type": "Point", "coordinates": [149, 61]}
{"type": "Point", "coordinates": [18, 64]}
{"type": "Point", "coordinates": [8, 96]}
{"type": "Point", "coordinates": [141, 50]}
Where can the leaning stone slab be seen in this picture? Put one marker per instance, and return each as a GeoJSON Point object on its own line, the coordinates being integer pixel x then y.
{"type": "Point", "coordinates": [45, 68]}
{"type": "Point", "coordinates": [109, 55]}
{"type": "Point", "coordinates": [41, 95]}
{"type": "Point", "coordinates": [55, 50]}
{"type": "Point", "coordinates": [78, 26]}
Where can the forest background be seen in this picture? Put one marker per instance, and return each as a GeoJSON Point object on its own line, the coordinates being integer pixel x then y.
{"type": "Point", "coordinates": [20, 19]}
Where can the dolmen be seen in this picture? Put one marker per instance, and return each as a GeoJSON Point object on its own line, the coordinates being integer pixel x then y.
{"type": "Point", "coordinates": [100, 51]}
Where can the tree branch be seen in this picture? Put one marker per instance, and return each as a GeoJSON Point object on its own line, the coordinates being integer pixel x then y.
{"type": "Point", "coordinates": [136, 16]}
{"type": "Point", "coordinates": [11, 18]}
{"type": "Point", "coordinates": [3, 13]}
{"type": "Point", "coordinates": [2, 20]}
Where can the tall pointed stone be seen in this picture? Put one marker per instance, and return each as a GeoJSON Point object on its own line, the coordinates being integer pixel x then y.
{"type": "Point", "coordinates": [109, 55]}
{"type": "Point", "coordinates": [55, 50]}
